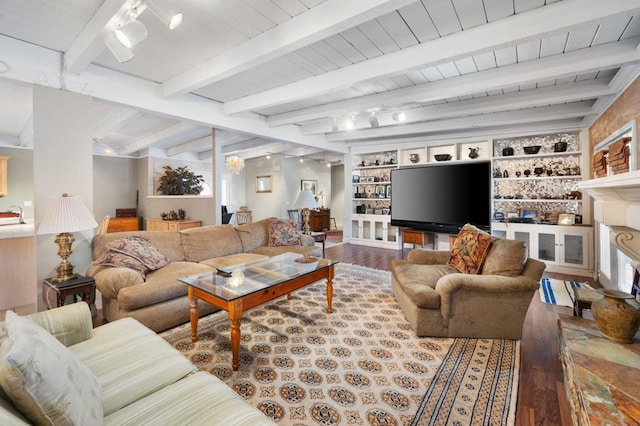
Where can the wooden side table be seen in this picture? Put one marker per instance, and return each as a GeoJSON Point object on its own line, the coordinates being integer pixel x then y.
{"type": "Point", "coordinates": [55, 294]}
{"type": "Point", "coordinates": [411, 236]}
{"type": "Point", "coordinates": [320, 237]}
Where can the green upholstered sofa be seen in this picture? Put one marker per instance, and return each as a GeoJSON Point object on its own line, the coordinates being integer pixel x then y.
{"type": "Point", "coordinates": [159, 300]}
{"type": "Point", "coordinates": [439, 300]}
{"type": "Point", "coordinates": [143, 379]}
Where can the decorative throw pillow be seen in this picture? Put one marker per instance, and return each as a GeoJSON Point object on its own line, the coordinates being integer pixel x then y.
{"type": "Point", "coordinates": [470, 250]}
{"type": "Point", "coordinates": [44, 379]}
{"type": "Point", "coordinates": [140, 249]}
{"type": "Point", "coordinates": [119, 260]}
{"type": "Point", "coordinates": [283, 232]}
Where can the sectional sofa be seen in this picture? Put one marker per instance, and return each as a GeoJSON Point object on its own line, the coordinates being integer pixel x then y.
{"type": "Point", "coordinates": [62, 371]}
{"type": "Point", "coordinates": [155, 297]}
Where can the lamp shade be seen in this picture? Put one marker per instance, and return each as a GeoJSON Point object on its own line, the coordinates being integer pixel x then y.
{"type": "Point", "coordinates": [306, 200]}
{"type": "Point", "coordinates": [66, 214]}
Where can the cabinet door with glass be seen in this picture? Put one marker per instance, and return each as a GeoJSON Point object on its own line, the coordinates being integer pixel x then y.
{"type": "Point", "coordinates": [564, 247]}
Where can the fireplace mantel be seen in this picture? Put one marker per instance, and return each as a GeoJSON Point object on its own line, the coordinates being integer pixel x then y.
{"type": "Point", "coordinates": [617, 204]}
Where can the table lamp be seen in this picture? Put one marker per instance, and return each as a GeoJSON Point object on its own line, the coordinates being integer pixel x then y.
{"type": "Point", "coordinates": [321, 196]}
{"type": "Point", "coordinates": [62, 216]}
{"type": "Point", "coordinates": [306, 201]}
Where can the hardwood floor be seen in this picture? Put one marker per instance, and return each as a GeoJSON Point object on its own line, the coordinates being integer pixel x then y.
{"type": "Point", "coordinates": [541, 394]}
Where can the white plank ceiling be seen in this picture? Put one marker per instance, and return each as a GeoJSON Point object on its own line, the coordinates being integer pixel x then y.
{"type": "Point", "coordinates": [273, 75]}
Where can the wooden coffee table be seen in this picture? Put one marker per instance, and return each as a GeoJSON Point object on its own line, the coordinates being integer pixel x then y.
{"type": "Point", "coordinates": [242, 287]}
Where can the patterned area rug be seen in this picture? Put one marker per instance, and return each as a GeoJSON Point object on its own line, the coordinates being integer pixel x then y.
{"type": "Point", "coordinates": [360, 365]}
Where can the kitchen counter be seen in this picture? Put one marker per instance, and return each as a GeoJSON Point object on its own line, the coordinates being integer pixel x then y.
{"type": "Point", "coordinates": [18, 230]}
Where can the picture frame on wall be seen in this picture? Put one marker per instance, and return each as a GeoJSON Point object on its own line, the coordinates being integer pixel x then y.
{"type": "Point", "coordinates": [380, 191]}
{"type": "Point", "coordinates": [310, 185]}
{"type": "Point", "coordinates": [264, 183]}
{"type": "Point", "coordinates": [388, 193]}
{"type": "Point", "coordinates": [512, 215]}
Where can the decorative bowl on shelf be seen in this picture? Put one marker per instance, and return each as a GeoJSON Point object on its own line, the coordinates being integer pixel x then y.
{"type": "Point", "coordinates": [442, 157]}
{"type": "Point", "coordinates": [533, 149]}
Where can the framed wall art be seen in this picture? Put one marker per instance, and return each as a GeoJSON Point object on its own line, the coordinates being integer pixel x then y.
{"type": "Point", "coordinates": [311, 185]}
{"type": "Point", "coordinates": [264, 183]}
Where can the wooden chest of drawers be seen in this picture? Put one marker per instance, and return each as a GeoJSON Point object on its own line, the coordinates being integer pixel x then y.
{"type": "Point", "coordinates": [171, 225]}
{"type": "Point", "coordinates": [121, 224]}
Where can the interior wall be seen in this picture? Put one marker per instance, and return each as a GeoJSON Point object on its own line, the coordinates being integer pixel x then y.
{"type": "Point", "coordinates": [152, 206]}
{"type": "Point", "coordinates": [62, 163]}
{"type": "Point", "coordinates": [114, 185]}
{"type": "Point", "coordinates": [19, 180]}
{"type": "Point", "coordinates": [287, 174]}
{"type": "Point", "coordinates": [625, 108]}
{"type": "Point", "coordinates": [337, 195]}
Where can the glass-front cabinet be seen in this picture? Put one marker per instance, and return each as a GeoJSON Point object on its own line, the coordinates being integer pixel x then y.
{"type": "Point", "coordinates": [563, 248]}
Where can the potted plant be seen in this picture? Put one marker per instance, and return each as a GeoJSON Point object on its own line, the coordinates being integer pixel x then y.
{"type": "Point", "coordinates": [180, 181]}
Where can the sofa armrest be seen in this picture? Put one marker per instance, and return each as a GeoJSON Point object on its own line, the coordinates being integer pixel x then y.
{"type": "Point", "coordinates": [451, 284]}
{"type": "Point", "coordinates": [307, 240]}
{"type": "Point", "coordinates": [70, 324]}
{"type": "Point", "coordinates": [428, 257]}
{"type": "Point", "coordinates": [109, 279]}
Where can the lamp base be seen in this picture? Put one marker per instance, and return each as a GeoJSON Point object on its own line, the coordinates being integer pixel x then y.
{"type": "Point", "coordinates": [64, 241]}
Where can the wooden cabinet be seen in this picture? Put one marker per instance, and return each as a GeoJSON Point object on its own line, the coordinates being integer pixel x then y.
{"type": "Point", "coordinates": [415, 237]}
{"type": "Point", "coordinates": [4, 161]}
{"type": "Point", "coordinates": [121, 224]}
{"type": "Point", "coordinates": [171, 225]}
{"type": "Point", "coordinates": [565, 249]}
{"type": "Point", "coordinates": [319, 220]}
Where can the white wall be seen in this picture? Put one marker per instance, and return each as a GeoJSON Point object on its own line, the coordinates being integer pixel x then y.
{"type": "Point", "coordinates": [62, 163]}
{"type": "Point", "coordinates": [114, 185]}
{"type": "Point", "coordinates": [287, 174]}
{"type": "Point", "coordinates": [19, 180]}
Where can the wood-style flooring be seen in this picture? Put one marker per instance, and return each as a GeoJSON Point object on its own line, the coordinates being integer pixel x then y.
{"type": "Point", "coordinates": [541, 394]}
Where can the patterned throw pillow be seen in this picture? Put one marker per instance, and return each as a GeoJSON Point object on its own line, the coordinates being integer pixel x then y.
{"type": "Point", "coordinates": [119, 260]}
{"type": "Point", "coordinates": [470, 250]}
{"type": "Point", "coordinates": [44, 379]}
{"type": "Point", "coordinates": [140, 249]}
{"type": "Point", "coordinates": [283, 232]}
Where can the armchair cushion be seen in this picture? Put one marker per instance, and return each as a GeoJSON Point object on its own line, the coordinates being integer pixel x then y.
{"type": "Point", "coordinates": [506, 257]}
{"type": "Point", "coordinates": [283, 232]}
{"type": "Point", "coordinates": [44, 379]}
{"type": "Point", "coordinates": [470, 250]}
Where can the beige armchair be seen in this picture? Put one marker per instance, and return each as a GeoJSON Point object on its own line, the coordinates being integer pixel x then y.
{"type": "Point", "coordinates": [439, 300]}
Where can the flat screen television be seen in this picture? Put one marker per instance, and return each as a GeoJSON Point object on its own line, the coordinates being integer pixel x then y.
{"type": "Point", "coordinates": [442, 197]}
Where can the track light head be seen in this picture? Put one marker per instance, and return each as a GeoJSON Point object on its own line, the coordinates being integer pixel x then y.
{"type": "Point", "coordinates": [165, 13]}
{"type": "Point", "coordinates": [131, 33]}
{"type": "Point", "coordinates": [373, 120]}
{"type": "Point", "coordinates": [349, 123]}
{"type": "Point", "coordinates": [121, 53]}
{"type": "Point", "coordinates": [399, 116]}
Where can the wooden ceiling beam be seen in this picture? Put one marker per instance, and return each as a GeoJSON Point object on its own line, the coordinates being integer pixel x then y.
{"type": "Point", "coordinates": [527, 26]}
{"type": "Point", "coordinates": [316, 24]}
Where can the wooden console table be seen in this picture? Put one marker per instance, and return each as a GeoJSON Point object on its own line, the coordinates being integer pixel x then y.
{"type": "Point", "coordinates": [600, 376]}
{"type": "Point", "coordinates": [411, 236]}
{"type": "Point", "coordinates": [171, 225]}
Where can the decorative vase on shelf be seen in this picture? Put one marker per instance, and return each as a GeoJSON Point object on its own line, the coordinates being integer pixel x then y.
{"type": "Point", "coordinates": [473, 152]}
{"type": "Point", "coordinates": [616, 319]}
{"type": "Point", "coordinates": [414, 158]}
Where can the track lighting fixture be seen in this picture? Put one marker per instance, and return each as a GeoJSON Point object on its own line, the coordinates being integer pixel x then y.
{"type": "Point", "coordinates": [122, 53]}
{"type": "Point", "coordinates": [268, 156]}
{"type": "Point", "coordinates": [301, 159]}
{"type": "Point", "coordinates": [399, 116]}
{"type": "Point", "coordinates": [373, 120]}
{"type": "Point", "coordinates": [165, 13]}
{"type": "Point", "coordinates": [132, 32]}
{"type": "Point", "coordinates": [349, 123]}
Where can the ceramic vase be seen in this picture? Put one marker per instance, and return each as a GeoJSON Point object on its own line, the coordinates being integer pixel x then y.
{"type": "Point", "coordinates": [616, 319]}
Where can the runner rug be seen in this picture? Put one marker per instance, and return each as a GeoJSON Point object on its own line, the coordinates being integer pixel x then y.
{"type": "Point", "coordinates": [360, 365]}
{"type": "Point", "coordinates": [559, 292]}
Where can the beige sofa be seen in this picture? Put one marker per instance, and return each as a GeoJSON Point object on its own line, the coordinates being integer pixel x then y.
{"type": "Point", "coordinates": [141, 378]}
{"type": "Point", "coordinates": [439, 300]}
{"type": "Point", "coordinates": [159, 300]}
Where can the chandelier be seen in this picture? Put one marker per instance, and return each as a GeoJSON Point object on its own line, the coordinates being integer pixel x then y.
{"type": "Point", "coordinates": [235, 164]}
